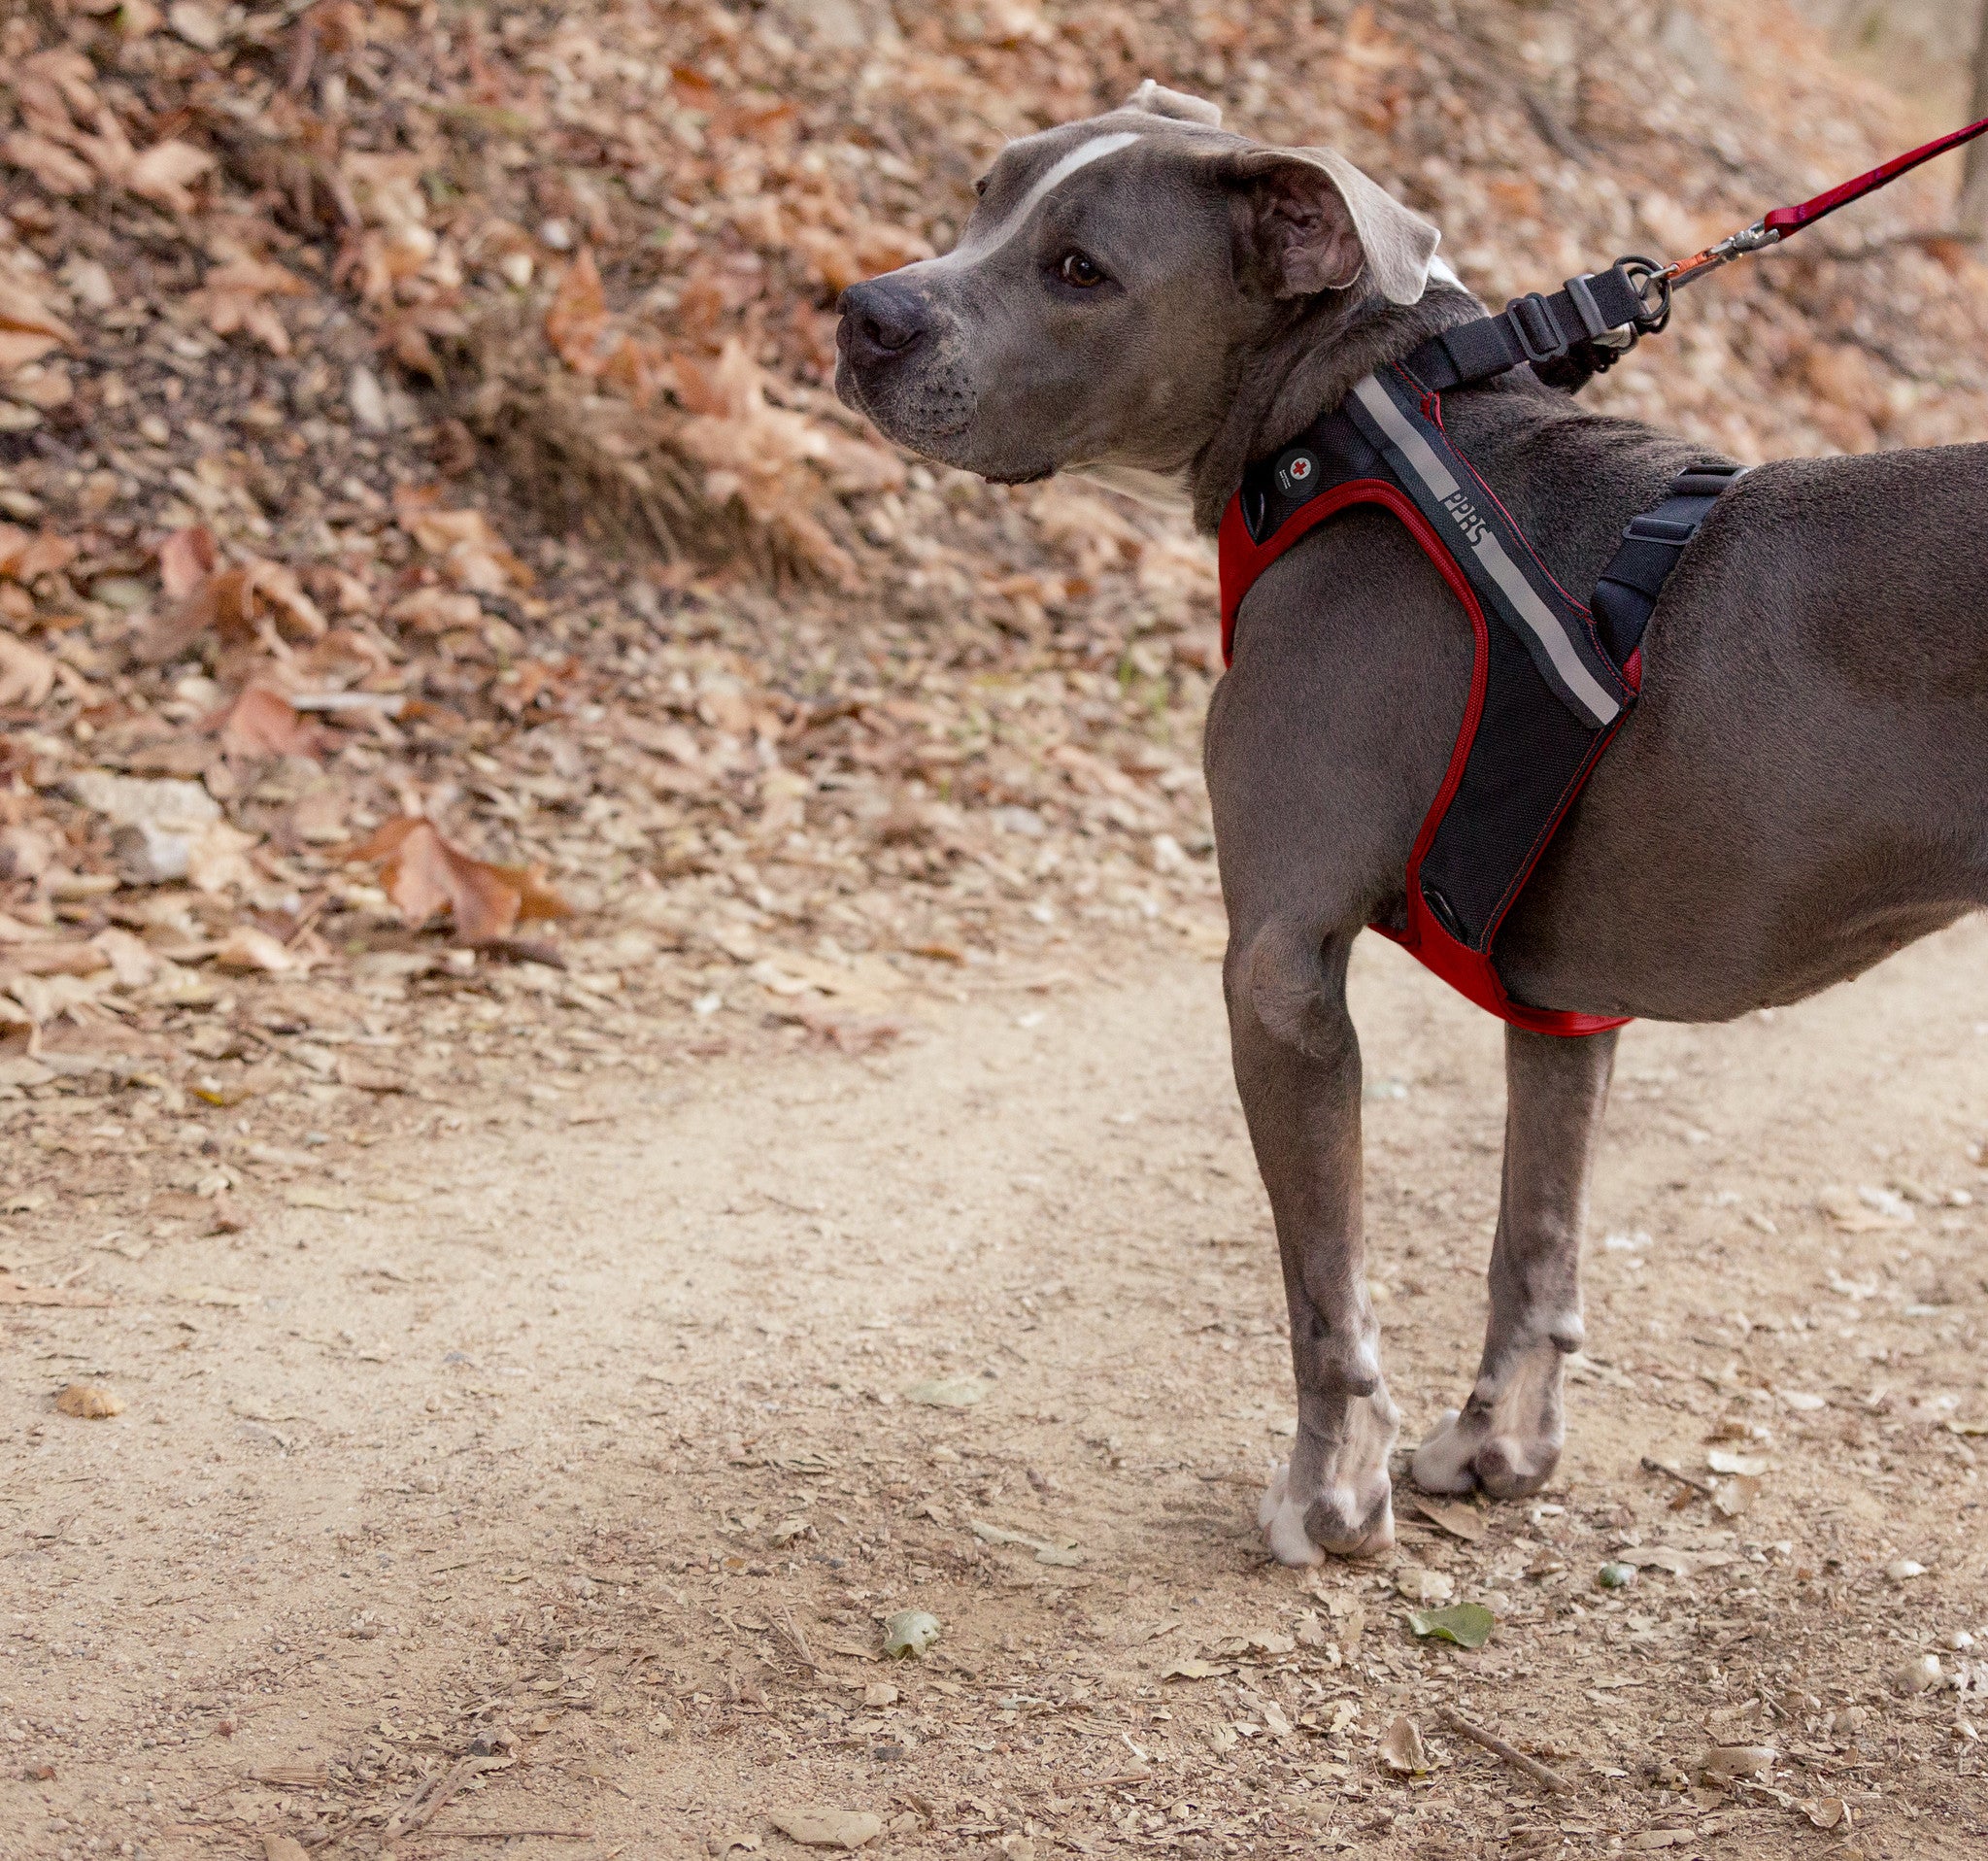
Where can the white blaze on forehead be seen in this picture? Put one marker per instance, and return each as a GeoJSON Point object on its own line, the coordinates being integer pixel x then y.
{"type": "Point", "coordinates": [1080, 156]}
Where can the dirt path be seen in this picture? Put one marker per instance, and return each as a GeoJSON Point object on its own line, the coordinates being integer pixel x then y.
{"type": "Point", "coordinates": [566, 1450]}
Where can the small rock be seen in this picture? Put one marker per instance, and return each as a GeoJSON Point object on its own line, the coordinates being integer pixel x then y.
{"type": "Point", "coordinates": [1616, 1576]}
{"type": "Point", "coordinates": [1918, 1675]}
{"type": "Point", "coordinates": [1903, 1569]}
{"type": "Point", "coordinates": [1424, 1587]}
{"type": "Point", "coordinates": [89, 1402]}
{"type": "Point", "coordinates": [909, 1633]}
{"type": "Point", "coordinates": [368, 400]}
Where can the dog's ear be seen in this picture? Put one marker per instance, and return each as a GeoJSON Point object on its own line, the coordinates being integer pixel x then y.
{"type": "Point", "coordinates": [1312, 222]}
{"type": "Point", "coordinates": [1156, 100]}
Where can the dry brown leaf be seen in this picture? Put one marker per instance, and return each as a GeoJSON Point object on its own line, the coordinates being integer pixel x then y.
{"type": "Point", "coordinates": [186, 559]}
{"type": "Point", "coordinates": [23, 557]}
{"type": "Point", "coordinates": [89, 1402]}
{"type": "Point", "coordinates": [224, 602]}
{"type": "Point", "coordinates": [19, 347]}
{"type": "Point", "coordinates": [578, 319]}
{"type": "Point", "coordinates": [28, 674]}
{"type": "Point", "coordinates": [50, 164]}
{"type": "Point", "coordinates": [56, 958]}
{"type": "Point", "coordinates": [261, 723]}
{"type": "Point", "coordinates": [218, 860]}
{"type": "Point", "coordinates": [236, 297]}
{"type": "Point", "coordinates": [1403, 1749]}
{"type": "Point", "coordinates": [21, 311]}
{"type": "Point", "coordinates": [474, 557]}
{"type": "Point", "coordinates": [247, 948]}
{"type": "Point", "coordinates": [367, 1077]}
{"type": "Point", "coordinates": [437, 610]}
{"type": "Point", "coordinates": [425, 876]}
{"type": "Point", "coordinates": [165, 172]}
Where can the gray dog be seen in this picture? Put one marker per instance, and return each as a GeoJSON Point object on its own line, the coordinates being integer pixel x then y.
{"type": "Point", "coordinates": [1155, 303]}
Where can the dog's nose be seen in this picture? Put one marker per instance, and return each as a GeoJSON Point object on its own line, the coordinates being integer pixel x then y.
{"type": "Point", "coordinates": [881, 321]}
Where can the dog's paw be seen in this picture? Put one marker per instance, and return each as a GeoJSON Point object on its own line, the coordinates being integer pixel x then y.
{"type": "Point", "coordinates": [1332, 1498]}
{"type": "Point", "coordinates": [1337, 1522]}
{"type": "Point", "coordinates": [1505, 1439]}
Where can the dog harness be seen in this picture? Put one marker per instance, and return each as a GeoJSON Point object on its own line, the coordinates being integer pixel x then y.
{"type": "Point", "coordinates": [1551, 679]}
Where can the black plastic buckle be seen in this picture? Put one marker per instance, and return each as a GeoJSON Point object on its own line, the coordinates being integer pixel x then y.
{"type": "Point", "coordinates": [1531, 315]}
{"type": "Point", "coordinates": [1660, 530]}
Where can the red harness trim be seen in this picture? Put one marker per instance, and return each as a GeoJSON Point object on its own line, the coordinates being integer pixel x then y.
{"type": "Point", "coordinates": [1242, 560]}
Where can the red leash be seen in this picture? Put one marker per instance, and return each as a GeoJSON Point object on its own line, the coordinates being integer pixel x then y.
{"type": "Point", "coordinates": [1786, 221]}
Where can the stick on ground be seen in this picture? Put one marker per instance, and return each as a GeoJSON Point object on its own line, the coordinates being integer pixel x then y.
{"type": "Point", "coordinates": [1651, 1465]}
{"type": "Point", "coordinates": [1512, 1755]}
{"type": "Point", "coordinates": [506, 1835]}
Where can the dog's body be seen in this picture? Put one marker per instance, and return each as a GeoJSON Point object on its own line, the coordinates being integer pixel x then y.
{"type": "Point", "coordinates": [1799, 793]}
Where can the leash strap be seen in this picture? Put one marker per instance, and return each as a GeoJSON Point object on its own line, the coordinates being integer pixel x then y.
{"type": "Point", "coordinates": [1785, 221]}
{"type": "Point", "coordinates": [1592, 321]}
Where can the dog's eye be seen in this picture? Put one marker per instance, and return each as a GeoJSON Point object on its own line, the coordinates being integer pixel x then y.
{"type": "Point", "coordinates": [1079, 269]}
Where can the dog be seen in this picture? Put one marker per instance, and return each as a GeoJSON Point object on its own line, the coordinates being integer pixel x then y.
{"type": "Point", "coordinates": [1154, 301]}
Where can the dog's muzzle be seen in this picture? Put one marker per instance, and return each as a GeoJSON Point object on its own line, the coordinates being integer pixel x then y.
{"type": "Point", "coordinates": [882, 323]}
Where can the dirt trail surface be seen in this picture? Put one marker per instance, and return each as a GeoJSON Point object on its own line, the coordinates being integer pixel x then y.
{"type": "Point", "coordinates": [554, 1465]}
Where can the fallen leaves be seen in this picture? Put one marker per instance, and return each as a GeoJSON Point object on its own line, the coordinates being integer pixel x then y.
{"type": "Point", "coordinates": [1467, 1624]}
{"type": "Point", "coordinates": [1461, 1521]}
{"type": "Point", "coordinates": [246, 948]}
{"type": "Point", "coordinates": [1401, 1749]}
{"type": "Point", "coordinates": [1728, 1763]}
{"type": "Point", "coordinates": [829, 1828]}
{"type": "Point", "coordinates": [235, 297]}
{"type": "Point", "coordinates": [28, 674]}
{"type": "Point", "coordinates": [425, 876]}
{"type": "Point", "coordinates": [1046, 1551]}
{"type": "Point", "coordinates": [261, 722]}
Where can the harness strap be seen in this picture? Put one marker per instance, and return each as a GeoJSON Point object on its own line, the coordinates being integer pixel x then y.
{"type": "Point", "coordinates": [1581, 330]}
{"type": "Point", "coordinates": [1651, 547]}
{"type": "Point", "coordinates": [1551, 682]}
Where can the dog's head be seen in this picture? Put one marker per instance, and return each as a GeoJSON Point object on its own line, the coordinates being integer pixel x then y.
{"type": "Point", "coordinates": [1112, 276]}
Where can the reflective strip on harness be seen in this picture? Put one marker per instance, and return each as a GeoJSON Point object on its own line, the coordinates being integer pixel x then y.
{"type": "Point", "coordinates": [1548, 689]}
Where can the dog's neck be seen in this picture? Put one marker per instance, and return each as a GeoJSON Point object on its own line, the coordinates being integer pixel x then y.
{"type": "Point", "coordinates": [1310, 366]}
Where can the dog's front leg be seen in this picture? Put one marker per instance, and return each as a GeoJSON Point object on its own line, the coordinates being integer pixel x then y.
{"type": "Point", "coordinates": [1297, 1068]}
{"type": "Point", "coordinates": [1507, 1437]}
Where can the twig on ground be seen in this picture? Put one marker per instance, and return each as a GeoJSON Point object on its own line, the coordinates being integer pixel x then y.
{"type": "Point", "coordinates": [426, 1803]}
{"type": "Point", "coordinates": [1511, 1754]}
{"type": "Point", "coordinates": [506, 1835]}
{"type": "Point", "coordinates": [1651, 1465]}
